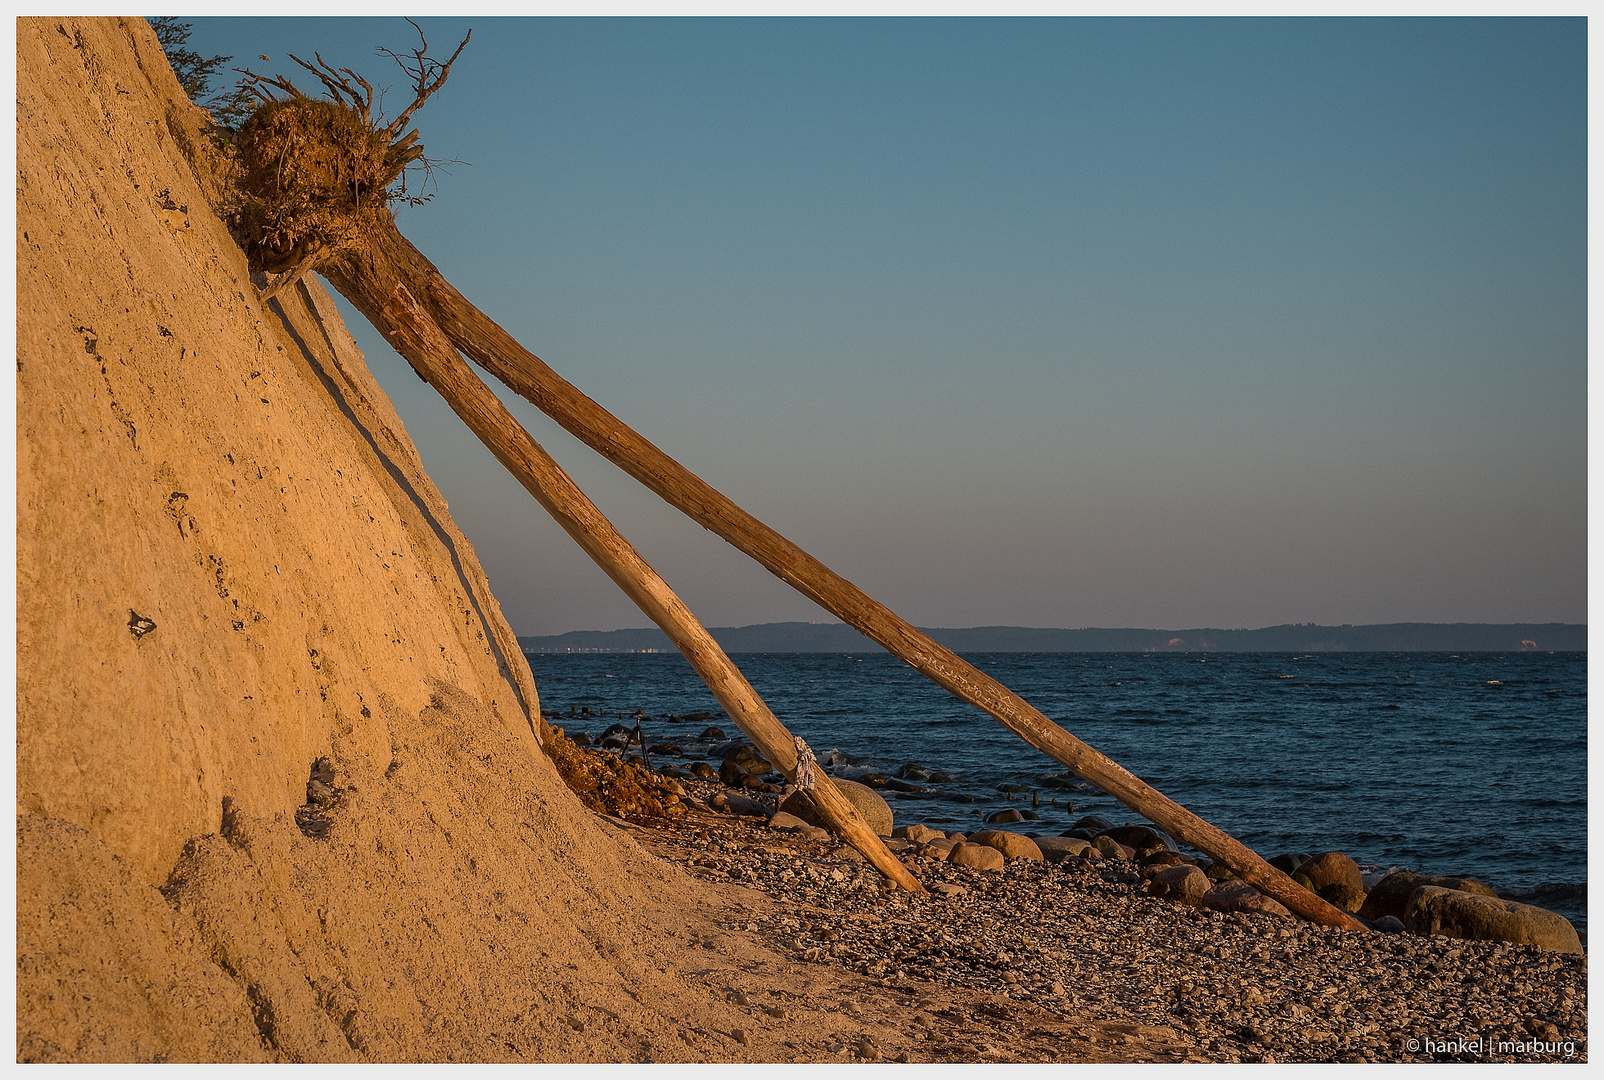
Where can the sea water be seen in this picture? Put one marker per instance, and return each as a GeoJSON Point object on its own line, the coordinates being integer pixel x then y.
{"type": "Point", "coordinates": [1472, 764]}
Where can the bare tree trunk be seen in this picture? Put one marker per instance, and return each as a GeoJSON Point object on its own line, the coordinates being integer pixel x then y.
{"type": "Point", "coordinates": [370, 282]}
{"type": "Point", "coordinates": [500, 354]}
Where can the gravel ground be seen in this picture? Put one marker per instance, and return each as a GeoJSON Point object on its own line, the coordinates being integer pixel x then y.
{"type": "Point", "coordinates": [1078, 940]}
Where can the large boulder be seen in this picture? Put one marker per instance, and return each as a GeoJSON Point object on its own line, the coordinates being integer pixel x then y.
{"type": "Point", "coordinates": [1333, 868]}
{"type": "Point", "coordinates": [1184, 883]}
{"type": "Point", "coordinates": [1240, 896]}
{"type": "Point", "coordinates": [977, 856]}
{"type": "Point", "coordinates": [1391, 894]}
{"type": "Point", "coordinates": [1141, 837]}
{"type": "Point", "coordinates": [869, 804]}
{"type": "Point", "coordinates": [1344, 896]}
{"type": "Point", "coordinates": [1110, 847]}
{"type": "Point", "coordinates": [1435, 910]}
{"type": "Point", "coordinates": [1012, 845]}
{"type": "Point", "coordinates": [919, 834]}
{"type": "Point", "coordinates": [743, 765]}
{"type": "Point", "coordinates": [1058, 848]}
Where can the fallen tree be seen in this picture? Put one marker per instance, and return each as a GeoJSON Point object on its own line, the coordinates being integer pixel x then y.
{"type": "Point", "coordinates": [316, 181]}
{"type": "Point", "coordinates": [315, 185]}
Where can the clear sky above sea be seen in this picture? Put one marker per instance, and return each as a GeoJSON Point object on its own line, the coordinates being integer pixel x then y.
{"type": "Point", "coordinates": [1069, 322]}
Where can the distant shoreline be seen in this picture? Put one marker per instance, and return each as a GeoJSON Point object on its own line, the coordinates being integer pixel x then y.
{"type": "Point", "coordinates": [801, 637]}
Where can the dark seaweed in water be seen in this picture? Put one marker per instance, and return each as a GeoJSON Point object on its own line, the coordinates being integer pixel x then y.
{"type": "Point", "coordinates": [1471, 764]}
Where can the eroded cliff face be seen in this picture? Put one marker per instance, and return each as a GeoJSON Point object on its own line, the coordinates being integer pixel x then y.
{"type": "Point", "coordinates": [230, 565]}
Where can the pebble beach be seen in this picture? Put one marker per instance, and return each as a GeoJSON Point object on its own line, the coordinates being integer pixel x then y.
{"type": "Point", "coordinates": [1084, 942]}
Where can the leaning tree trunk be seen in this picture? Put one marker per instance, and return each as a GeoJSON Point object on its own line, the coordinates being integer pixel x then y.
{"type": "Point", "coordinates": [498, 352]}
{"type": "Point", "coordinates": [370, 282]}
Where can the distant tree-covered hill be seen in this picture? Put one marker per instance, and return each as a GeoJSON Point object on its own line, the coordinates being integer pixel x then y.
{"type": "Point", "coordinates": [1295, 637]}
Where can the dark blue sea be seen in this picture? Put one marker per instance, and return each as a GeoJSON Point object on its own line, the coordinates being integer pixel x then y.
{"type": "Point", "coordinates": [1471, 764]}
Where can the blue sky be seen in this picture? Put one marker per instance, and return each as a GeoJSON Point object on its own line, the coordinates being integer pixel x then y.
{"type": "Point", "coordinates": [1047, 322]}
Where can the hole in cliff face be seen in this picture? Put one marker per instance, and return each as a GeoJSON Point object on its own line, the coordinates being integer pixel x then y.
{"type": "Point", "coordinates": [316, 815]}
{"type": "Point", "coordinates": [262, 1013]}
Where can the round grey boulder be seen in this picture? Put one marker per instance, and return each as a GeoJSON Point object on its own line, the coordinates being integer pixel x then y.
{"type": "Point", "coordinates": [1183, 883]}
{"type": "Point", "coordinates": [869, 804]}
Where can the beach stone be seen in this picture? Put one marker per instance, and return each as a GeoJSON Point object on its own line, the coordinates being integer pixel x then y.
{"type": "Point", "coordinates": [709, 734]}
{"type": "Point", "coordinates": [1333, 868]}
{"type": "Point", "coordinates": [1109, 847]}
{"type": "Point", "coordinates": [1240, 896]}
{"type": "Point", "coordinates": [939, 850]}
{"type": "Point", "coordinates": [1220, 872]}
{"type": "Point", "coordinates": [1161, 857]}
{"type": "Point", "coordinates": [744, 807]}
{"type": "Point", "coordinates": [1058, 848]}
{"type": "Point", "coordinates": [1011, 844]}
{"type": "Point", "coordinates": [1388, 924]}
{"type": "Point", "coordinates": [743, 763]}
{"type": "Point", "coordinates": [919, 834]}
{"type": "Point", "coordinates": [1344, 896]}
{"type": "Point", "coordinates": [1390, 896]}
{"type": "Point", "coordinates": [949, 889]}
{"type": "Point", "coordinates": [1138, 837]}
{"type": "Point", "coordinates": [1436, 910]}
{"type": "Point", "coordinates": [869, 804]}
{"type": "Point", "coordinates": [977, 856]}
{"type": "Point", "coordinates": [998, 816]}
{"type": "Point", "coordinates": [1184, 883]}
{"type": "Point", "coordinates": [957, 837]}
{"type": "Point", "coordinates": [1093, 821]}
{"type": "Point", "coordinates": [1300, 878]}
{"type": "Point", "coordinates": [1287, 864]}
{"type": "Point", "coordinates": [703, 771]}
{"type": "Point", "coordinates": [787, 821]}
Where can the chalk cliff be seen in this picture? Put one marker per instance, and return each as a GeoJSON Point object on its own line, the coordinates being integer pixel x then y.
{"type": "Point", "coordinates": [230, 565]}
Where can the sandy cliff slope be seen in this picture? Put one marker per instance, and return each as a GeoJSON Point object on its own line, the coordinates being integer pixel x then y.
{"type": "Point", "coordinates": [230, 565]}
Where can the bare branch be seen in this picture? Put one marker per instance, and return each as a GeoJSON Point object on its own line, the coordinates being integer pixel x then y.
{"type": "Point", "coordinates": [338, 82]}
{"type": "Point", "coordinates": [263, 86]}
{"type": "Point", "coordinates": [427, 75]}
